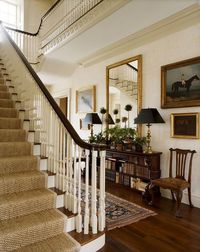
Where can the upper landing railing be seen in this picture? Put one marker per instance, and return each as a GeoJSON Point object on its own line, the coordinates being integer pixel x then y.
{"type": "Point", "coordinates": [62, 21]}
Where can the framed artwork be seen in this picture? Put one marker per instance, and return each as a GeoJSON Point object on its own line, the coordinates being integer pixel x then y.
{"type": "Point", "coordinates": [185, 125]}
{"type": "Point", "coordinates": [86, 100]}
{"type": "Point", "coordinates": [180, 84]}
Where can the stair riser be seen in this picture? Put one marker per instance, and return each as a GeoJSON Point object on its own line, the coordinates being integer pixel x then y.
{"type": "Point", "coordinates": [29, 205]}
{"type": "Point", "coordinates": [15, 149]}
{"type": "Point", "coordinates": [8, 113]}
{"type": "Point", "coordinates": [10, 124]}
{"type": "Point", "coordinates": [24, 237]}
{"type": "Point", "coordinates": [12, 136]}
{"type": "Point", "coordinates": [20, 184]}
{"type": "Point", "coordinates": [9, 166]}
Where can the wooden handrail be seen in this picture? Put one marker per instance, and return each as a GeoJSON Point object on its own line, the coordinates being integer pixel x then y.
{"type": "Point", "coordinates": [51, 100]}
{"type": "Point", "coordinates": [42, 18]}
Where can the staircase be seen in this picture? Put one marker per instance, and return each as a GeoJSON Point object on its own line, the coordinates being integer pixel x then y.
{"type": "Point", "coordinates": [29, 220]}
{"type": "Point", "coordinates": [34, 132]}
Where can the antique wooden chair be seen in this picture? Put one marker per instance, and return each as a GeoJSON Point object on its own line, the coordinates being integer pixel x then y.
{"type": "Point", "coordinates": [176, 181]}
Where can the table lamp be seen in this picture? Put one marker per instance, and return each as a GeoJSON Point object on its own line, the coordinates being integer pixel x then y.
{"type": "Point", "coordinates": [91, 119]}
{"type": "Point", "coordinates": [148, 116]}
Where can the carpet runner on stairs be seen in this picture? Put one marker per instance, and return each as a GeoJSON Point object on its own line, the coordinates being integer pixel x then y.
{"type": "Point", "coordinates": [29, 221]}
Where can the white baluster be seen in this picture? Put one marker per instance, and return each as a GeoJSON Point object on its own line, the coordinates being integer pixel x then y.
{"type": "Point", "coordinates": [79, 216]}
{"type": "Point", "coordinates": [60, 157]}
{"type": "Point", "coordinates": [101, 214]}
{"type": "Point", "coordinates": [94, 193]}
{"type": "Point", "coordinates": [74, 198]}
{"type": "Point", "coordinates": [70, 171]}
{"type": "Point", "coordinates": [64, 161]}
{"type": "Point", "coordinates": [87, 212]}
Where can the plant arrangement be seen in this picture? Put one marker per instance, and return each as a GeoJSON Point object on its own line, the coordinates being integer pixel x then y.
{"type": "Point", "coordinates": [98, 138]}
{"type": "Point", "coordinates": [120, 136]}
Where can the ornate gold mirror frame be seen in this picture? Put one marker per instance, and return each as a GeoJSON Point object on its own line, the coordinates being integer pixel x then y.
{"type": "Point", "coordinates": [126, 62]}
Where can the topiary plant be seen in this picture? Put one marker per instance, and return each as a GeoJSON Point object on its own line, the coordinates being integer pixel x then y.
{"type": "Point", "coordinates": [124, 120]}
{"type": "Point", "coordinates": [128, 108]}
{"type": "Point", "coordinates": [102, 111]}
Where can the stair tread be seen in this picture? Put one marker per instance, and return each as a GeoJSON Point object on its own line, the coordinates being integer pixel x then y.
{"type": "Point", "coordinates": [28, 157]}
{"type": "Point", "coordinates": [24, 174]}
{"type": "Point", "coordinates": [10, 135]}
{"type": "Point", "coordinates": [9, 149]}
{"type": "Point", "coordinates": [59, 243]}
{"type": "Point", "coordinates": [25, 195]}
{"type": "Point", "coordinates": [34, 219]}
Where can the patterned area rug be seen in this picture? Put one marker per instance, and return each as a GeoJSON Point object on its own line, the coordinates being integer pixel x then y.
{"type": "Point", "coordinates": [120, 212]}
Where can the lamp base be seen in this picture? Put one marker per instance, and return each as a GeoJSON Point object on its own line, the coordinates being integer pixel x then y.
{"type": "Point", "coordinates": [148, 147]}
{"type": "Point", "coordinates": [148, 150]}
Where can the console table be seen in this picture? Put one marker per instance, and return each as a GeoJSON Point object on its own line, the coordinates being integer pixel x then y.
{"type": "Point", "coordinates": [134, 169]}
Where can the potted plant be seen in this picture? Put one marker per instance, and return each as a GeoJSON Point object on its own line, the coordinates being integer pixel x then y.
{"type": "Point", "coordinates": [139, 143]}
{"type": "Point", "coordinates": [128, 108]}
{"type": "Point", "coordinates": [116, 137]}
{"type": "Point", "coordinates": [98, 138]}
{"type": "Point", "coordinates": [130, 135]}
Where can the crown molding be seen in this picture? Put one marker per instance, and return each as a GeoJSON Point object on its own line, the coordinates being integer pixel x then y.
{"type": "Point", "coordinates": [181, 20]}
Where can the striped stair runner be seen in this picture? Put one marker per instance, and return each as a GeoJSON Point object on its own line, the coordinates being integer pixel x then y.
{"type": "Point", "coordinates": [29, 220]}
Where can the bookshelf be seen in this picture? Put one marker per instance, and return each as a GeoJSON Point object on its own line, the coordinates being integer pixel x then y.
{"type": "Point", "coordinates": [133, 169]}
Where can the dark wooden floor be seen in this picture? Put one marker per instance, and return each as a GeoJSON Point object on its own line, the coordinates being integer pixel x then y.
{"type": "Point", "coordinates": [161, 233]}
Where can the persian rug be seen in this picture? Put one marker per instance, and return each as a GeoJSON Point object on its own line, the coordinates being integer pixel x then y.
{"type": "Point", "coordinates": [120, 212]}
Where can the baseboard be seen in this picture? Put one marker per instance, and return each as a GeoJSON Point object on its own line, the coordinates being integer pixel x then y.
{"type": "Point", "coordinates": [195, 198]}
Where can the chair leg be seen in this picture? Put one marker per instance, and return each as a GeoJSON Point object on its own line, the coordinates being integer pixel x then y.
{"type": "Point", "coordinates": [173, 198]}
{"type": "Point", "coordinates": [179, 195]}
{"type": "Point", "coordinates": [151, 186]}
{"type": "Point", "coordinates": [189, 196]}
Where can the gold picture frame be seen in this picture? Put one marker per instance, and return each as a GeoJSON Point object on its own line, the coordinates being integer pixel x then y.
{"type": "Point", "coordinates": [86, 99]}
{"type": "Point", "coordinates": [180, 84]}
{"type": "Point", "coordinates": [185, 125]}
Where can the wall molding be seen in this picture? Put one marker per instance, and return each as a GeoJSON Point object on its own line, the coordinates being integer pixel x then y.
{"type": "Point", "coordinates": [181, 20]}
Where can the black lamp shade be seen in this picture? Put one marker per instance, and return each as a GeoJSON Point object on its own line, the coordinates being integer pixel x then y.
{"type": "Point", "coordinates": [149, 115]}
{"type": "Point", "coordinates": [110, 120]}
{"type": "Point", "coordinates": [92, 118]}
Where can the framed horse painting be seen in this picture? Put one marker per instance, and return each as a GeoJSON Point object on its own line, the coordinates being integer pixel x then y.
{"type": "Point", "coordinates": [180, 84]}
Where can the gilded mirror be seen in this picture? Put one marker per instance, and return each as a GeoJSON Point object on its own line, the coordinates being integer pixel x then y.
{"type": "Point", "coordinates": [124, 87]}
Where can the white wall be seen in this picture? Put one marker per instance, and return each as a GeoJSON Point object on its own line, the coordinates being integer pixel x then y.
{"type": "Point", "coordinates": [172, 48]}
{"type": "Point", "coordinates": [33, 11]}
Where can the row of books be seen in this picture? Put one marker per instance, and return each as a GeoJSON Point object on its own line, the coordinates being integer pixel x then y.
{"type": "Point", "coordinates": [127, 168]}
{"type": "Point", "coordinates": [126, 180]}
